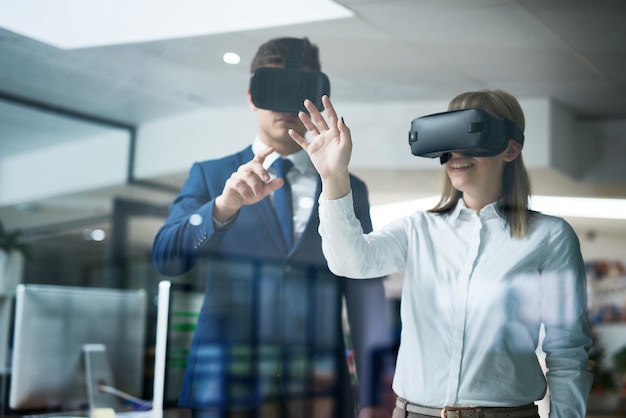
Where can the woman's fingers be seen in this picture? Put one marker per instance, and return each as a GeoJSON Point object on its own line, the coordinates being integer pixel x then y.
{"type": "Point", "coordinates": [341, 125]}
{"type": "Point", "coordinates": [316, 116]}
{"type": "Point", "coordinates": [298, 138]}
{"type": "Point", "coordinates": [308, 124]}
{"type": "Point", "coordinates": [315, 122]}
{"type": "Point", "coordinates": [322, 129]}
{"type": "Point", "coordinates": [330, 110]}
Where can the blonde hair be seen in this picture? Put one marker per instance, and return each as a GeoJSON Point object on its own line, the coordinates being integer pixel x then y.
{"type": "Point", "coordinates": [515, 180]}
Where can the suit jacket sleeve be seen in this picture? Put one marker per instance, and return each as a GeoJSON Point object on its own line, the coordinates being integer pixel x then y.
{"type": "Point", "coordinates": [189, 226]}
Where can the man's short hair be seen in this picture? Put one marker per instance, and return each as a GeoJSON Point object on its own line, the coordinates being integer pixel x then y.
{"type": "Point", "coordinates": [273, 52]}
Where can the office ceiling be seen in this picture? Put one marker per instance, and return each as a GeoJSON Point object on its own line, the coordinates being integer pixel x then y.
{"type": "Point", "coordinates": [573, 51]}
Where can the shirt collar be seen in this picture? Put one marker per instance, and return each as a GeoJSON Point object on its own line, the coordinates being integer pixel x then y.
{"type": "Point", "coordinates": [490, 211]}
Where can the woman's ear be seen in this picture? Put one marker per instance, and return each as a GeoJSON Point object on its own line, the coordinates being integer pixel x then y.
{"type": "Point", "coordinates": [512, 151]}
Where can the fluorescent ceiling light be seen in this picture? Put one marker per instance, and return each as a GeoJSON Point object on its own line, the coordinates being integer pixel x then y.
{"type": "Point", "coordinates": [383, 214]}
{"type": "Point", "coordinates": [82, 23]}
{"type": "Point", "coordinates": [576, 207]}
{"type": "Point", "coordinates": [579, 207]}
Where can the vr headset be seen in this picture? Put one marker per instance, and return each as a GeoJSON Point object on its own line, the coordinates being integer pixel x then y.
{"type": "Point", "coordinates": [472, 132]}
{"type": "Point", "coordinates": [285, 89]}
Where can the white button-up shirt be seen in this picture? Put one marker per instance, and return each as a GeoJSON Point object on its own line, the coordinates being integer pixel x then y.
{"type": "Point", "coordinates": [473, 301]}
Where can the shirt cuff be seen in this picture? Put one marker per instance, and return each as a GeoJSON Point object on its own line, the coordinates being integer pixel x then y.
{"type": "Point", "coordinates": [335, 208]}
{"type": "Point", "coordinates": [220, 226]}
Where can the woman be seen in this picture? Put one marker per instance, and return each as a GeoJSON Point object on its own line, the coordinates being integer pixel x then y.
{"type": "Point", "coordinates": [482, 275]}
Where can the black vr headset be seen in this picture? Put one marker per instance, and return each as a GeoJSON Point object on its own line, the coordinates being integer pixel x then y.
{"type": "Point", "coordinates": [472, 132]}
{"type": "Point", "coordinates": [285, 89]}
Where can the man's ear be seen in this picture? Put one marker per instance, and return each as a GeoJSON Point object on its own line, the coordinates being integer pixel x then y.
{"type": "Point", "coordinates": [250, 103]}
{"type": "Point", "coordinates": [512, 151]}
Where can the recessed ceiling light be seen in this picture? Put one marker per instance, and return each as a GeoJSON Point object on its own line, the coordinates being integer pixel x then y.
{"type": "Point", "coordinates": [231, 58]}
{"type": "Point", "coordinates": [98, 235]}
{"type": "Point", "coordinates": [94, 235]}
{"type": "Point", "coordinates": [80, 24]}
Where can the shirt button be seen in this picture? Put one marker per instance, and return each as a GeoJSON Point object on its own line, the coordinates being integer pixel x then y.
{"type": "Point", "coordinates": [288, 268]}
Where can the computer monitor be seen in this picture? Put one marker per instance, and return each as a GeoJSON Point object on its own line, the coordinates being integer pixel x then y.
{"type": "Point", "coordinates": [54, 325]}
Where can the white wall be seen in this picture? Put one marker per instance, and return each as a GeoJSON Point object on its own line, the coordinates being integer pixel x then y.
{"type": "Point", "coordinates": [171, 145]}
{"type": "Point", "coordinates": [380, 134]}
{"type": "Point", "coordinates": [554, 139]}
{"type": "Point", "coordinates": [90, 163]}
{"type": "Point", "coordinates": [592, 151]}
{"type": "Point", "coordinates": [608, 162]}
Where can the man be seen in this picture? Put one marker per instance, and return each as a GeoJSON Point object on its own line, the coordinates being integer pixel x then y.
{"type": "Point", "coordinates": [269, 340]}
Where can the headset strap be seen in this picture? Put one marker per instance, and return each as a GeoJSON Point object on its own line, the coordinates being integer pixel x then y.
{"type": "Point", "coordinates": [293, 56]}
{"type": "Point", "coordinates": [514, 131]}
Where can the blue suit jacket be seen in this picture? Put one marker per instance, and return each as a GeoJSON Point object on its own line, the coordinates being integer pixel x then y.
{"type": "Point", "coordinates": [268, 310]}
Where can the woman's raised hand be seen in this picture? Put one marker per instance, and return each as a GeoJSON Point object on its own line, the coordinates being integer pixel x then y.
{"type": "Point", "coordinates": [330, 147]}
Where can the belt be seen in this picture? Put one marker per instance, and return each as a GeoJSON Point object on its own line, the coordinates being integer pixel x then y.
{"type": "Point", "coordinates": [526, 411]}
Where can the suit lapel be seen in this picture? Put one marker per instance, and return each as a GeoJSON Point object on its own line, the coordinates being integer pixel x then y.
{"type": "Point", "coordinates": [268, 216]}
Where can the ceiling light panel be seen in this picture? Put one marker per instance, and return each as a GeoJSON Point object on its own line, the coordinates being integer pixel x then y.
{"type": "Point", "coordinates": [72, 24]}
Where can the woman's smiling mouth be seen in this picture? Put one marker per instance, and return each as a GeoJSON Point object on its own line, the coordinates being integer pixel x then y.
{"type": "Point", "coordinates": [460, 164]}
